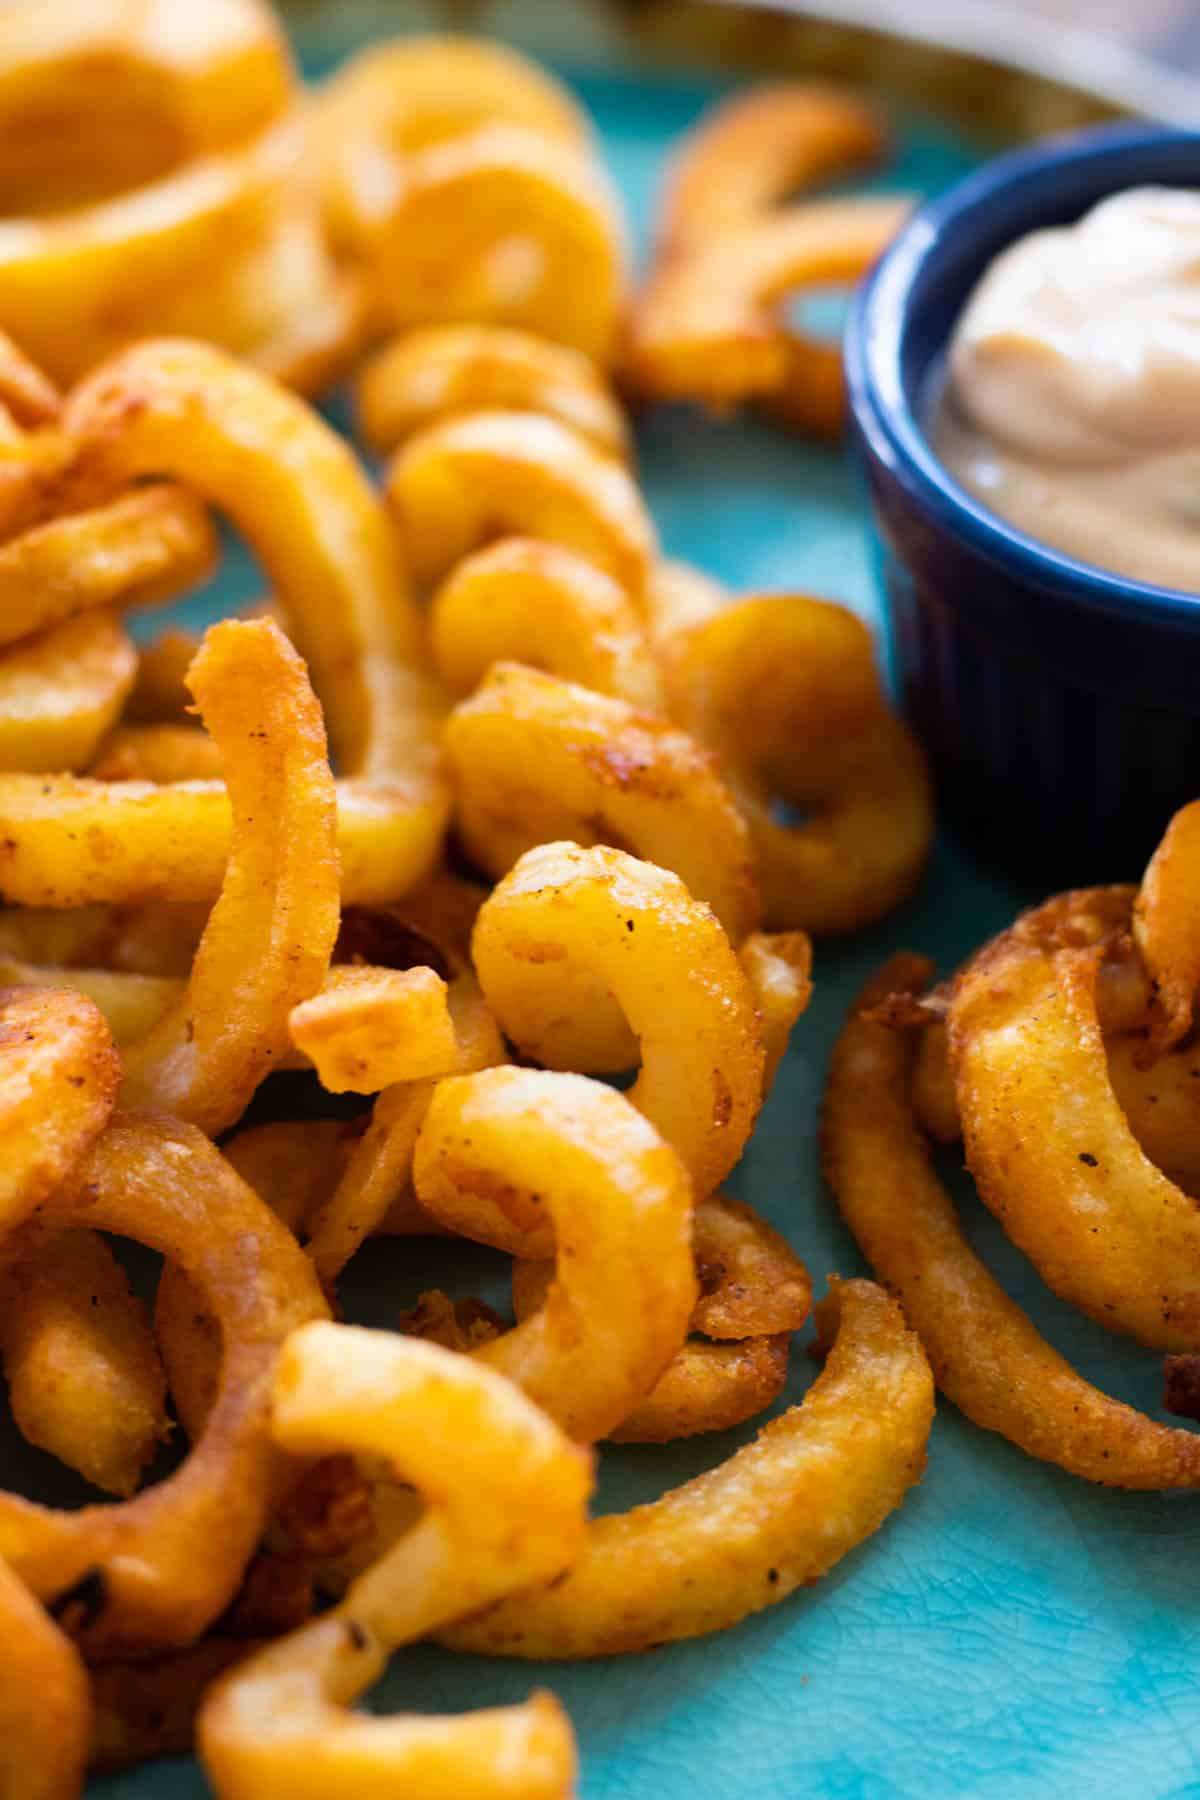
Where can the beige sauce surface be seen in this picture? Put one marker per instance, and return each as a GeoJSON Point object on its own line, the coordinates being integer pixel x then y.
{"type": "Point", "coordinates": [1072, 401]}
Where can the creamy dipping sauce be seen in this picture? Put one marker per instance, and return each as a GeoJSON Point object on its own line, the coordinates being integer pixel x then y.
{"type": "Point", "coordinates": [1071, 405]}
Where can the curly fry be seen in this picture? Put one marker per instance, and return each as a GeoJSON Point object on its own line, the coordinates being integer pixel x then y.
{"type": "Point", "coordinates": [61, 691]}
{"type": "Point", "coordinates": [158, 753]}
{"type": "Point", "coordinates": [573, 939]}
{"type": "Point", "coordinates": [67, 841]}
{"type": "Point", "coordinates": [785, 690]}
{"type": "Point", "coordinates": [374, 1027]}
{"type": "Point", "coordinates": [268, 940]}
{"type": "Point", "coordinates": [27, 394]}
{"type": "Point", "coordinates": [446, 370]}
{"type": "Point", "coordinates": [757, 149]}
{"type": "Point", "coordinates": [45, 1703]}
{"type": "Point", "coordinates": [524, 600]}
{"type": "Point", "coordinates": [464, 481]}
{"type": "Point", "coordinates": [522, 1158]}
{"type": "Point", "coordinates": [754, 1292]}
{"type": "Point", "coordinates": [84, 1377]}
{"type": "Point", "coordinates": [776, 1516]}
{"type": "Point", "coordinates": [399, 97]}
{"type": "Point", "coordinates": [534, 758]}
{"type": "Point", "coordinates": [59, 1075]}
{"type": "Point", "coordinates": [706, 329]}
{"type": "Point", "coordinates": [146, 1709]}
{"type": "Point", "coordinates": [986, 1355]}
{"type": "Point", "coordinates": [297, 493]}
{"type": "Point", "coordinates": [1046, 1140]}
{"type": "Point", "coordinates": [778, 967]}
{"type": "Point", "coordinates": [1166, 927]}
{"type": "Point", "coordinates": [507, 1497]}
{"type": "Point", "coordinates": [141, 549]}
{"type": "Point", "coordinates": [130, 1571]}
{"type": "Point", "coordinates": [503, 226]}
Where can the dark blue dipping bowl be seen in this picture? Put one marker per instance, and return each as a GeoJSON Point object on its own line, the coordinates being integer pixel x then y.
{"type": "Point", "coordinates": [1060, 705]}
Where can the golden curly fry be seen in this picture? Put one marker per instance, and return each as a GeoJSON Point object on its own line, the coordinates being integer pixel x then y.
{"type": "Point", "coordinates": [99, 97]}
{"type": "Point", "coordinates": [1050, 1149]}
{"type": "Point", "coordinates": [525, 600]}
{"type": "Point", "coordinates": [374, 1027]}
{"type": "Point", "coordinates": [759, 148]}
{"type": "Point", "coordinates": [503, 226]}
{"type": "Point", "coordinates": [61, 691]}
{"type": "Point", "coordinates": [399, 97]}
{"type": "Point", "coordinates": [785, 690]}
{"type": "Point", "coordinates": [131, 1571]}
{"type": "Point", "coordinates": [754, 1290]}
{"type": "Point", "coordinates": [67, 841]}
{"type": "Point", "coordinates": [678, 597]}
{"type": "Point", "coordinates": [307, 509]}
{"type": "Point", "coordinates": [158, 753]}
{"type": "Point", "coordinates": [572, 939]}
{"type": "Point", "coordinates": [446, 370]}
{"type": "Point", "coordinates": [154, 940]}
{"type": "Point", "coordinates": [986, 1355]}
{"type": "Point", "coordinates": [776, 1516]}
{"type": "Point", "coordinates": [28, 396]}
{"type": "Point", "coordinates": [145, 547]}
{"type": "Point", "coordinates": [84, 1378]}
{"type": "Point", "coordinates": [131, 1004]}
{"type": "Point", "coordinates": [706, 328]}
{"type": "Point", "coordinates": [268, 941]}
{"type": "Point", "coordinates": [45, 1701]}
{"type": "Point", "coordinates": [224, 247]}
{"type": "Point", "coordinates": [59, 1075]}
{"type": "Point", "coordinates": [464, 481]}
{"type": "Point", "coordinates": [1166, 927]}
{"type": "Point", "coordinates": [519, 1157]}
{"type": "Point", "coordinates": [778, 966]}
{"type": "Point", "coordinates": [291, 1163]}
{"type": "Point", "coordinates": [507, 1506]}
{"type": "Point", "coordinates": [533, 758]}
{"type": "Point", "coordinates": [1161, 1103]}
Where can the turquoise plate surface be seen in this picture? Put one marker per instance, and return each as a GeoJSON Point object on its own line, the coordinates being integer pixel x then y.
{"type": "Point", "coordinates": [1012, 1632]}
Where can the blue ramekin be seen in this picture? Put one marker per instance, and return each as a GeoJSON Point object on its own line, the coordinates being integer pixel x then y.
{"type": "Point", "coordinates": [1059, 704]}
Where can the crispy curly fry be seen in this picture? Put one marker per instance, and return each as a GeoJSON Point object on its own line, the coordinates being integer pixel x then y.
{"type": "Point", "coordinates": [148, 940]}
{"type": "Point", "coordinates": [550, 1161]}
{"type": "Point", "coordinates": [534, 758]}
{"type": "Point", "coordinates": [158, 753]}
{"type": "Point", "coordinates": [450, 369]}
{"type": "Point", "coordinates": [678, 597]}
{"type": "Point", "coordinates": [778, 966]}
{"type": "Point", "coordinates": [59, 1075]}
{"type": "Point", "coordinates": [268, 940]}
{"type": "Point", "coordinates": [986, 1355]}
{"type": "Point", "coordinates": [754, 1290]}
{"type": "Point", "coordinates": [507, 1497]}
{"type": "Point", "coordinates": [776, 1516]}
{"type": "Point", "coordinates": [61, 691]}
{"type": "Point", "coordinates": [375, 1027]}
{"type": "Point", "coordinates": [573, 938]}
{"type": "Point", "coordinates": [132, 1004]}
{"type": "Point", "coordinates": [145, 547]}
{"type": "Point", "coordinates": [763, 146]}
{"type": "Point", "coordinates": [84, 1377]}
{"type": "Point", "coordinates": [45, 1703]}
{"type": "Point", "coordinates": [225, 247]}
{"type": "Point", "coordinates": [503, 226]}
{"type": "Point", "coordinates": [297, 493]}
{"type": "Point", "coordinates": [706, 327]}
{"type": "Point", "coordinates": [399, 97]}
{"type": "Point", "coordinates": [130, 1571]}
{"type": "Point", "coordinates": [524, 600]}
{"type": "Point", "coordinates": [374, 1192]}
{"type": "Point", "coordinates": [28, 395]}
{"type": "Point", "coordinates": [141, 88]}
{"type": "Point", "coordinates": [464, 481]}
{"type": "Point", "coordinates": [1166, 927]}
{"type": "Point", "coordinates": [68, 841]}
{"type": "Point", "coordinates": [1046, 1140]}
{"type": "Point", "coordinates": [785, 690]}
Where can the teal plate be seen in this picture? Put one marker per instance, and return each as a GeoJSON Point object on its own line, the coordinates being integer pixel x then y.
{"type": "Point", "coordinates": [1011, 1632]}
